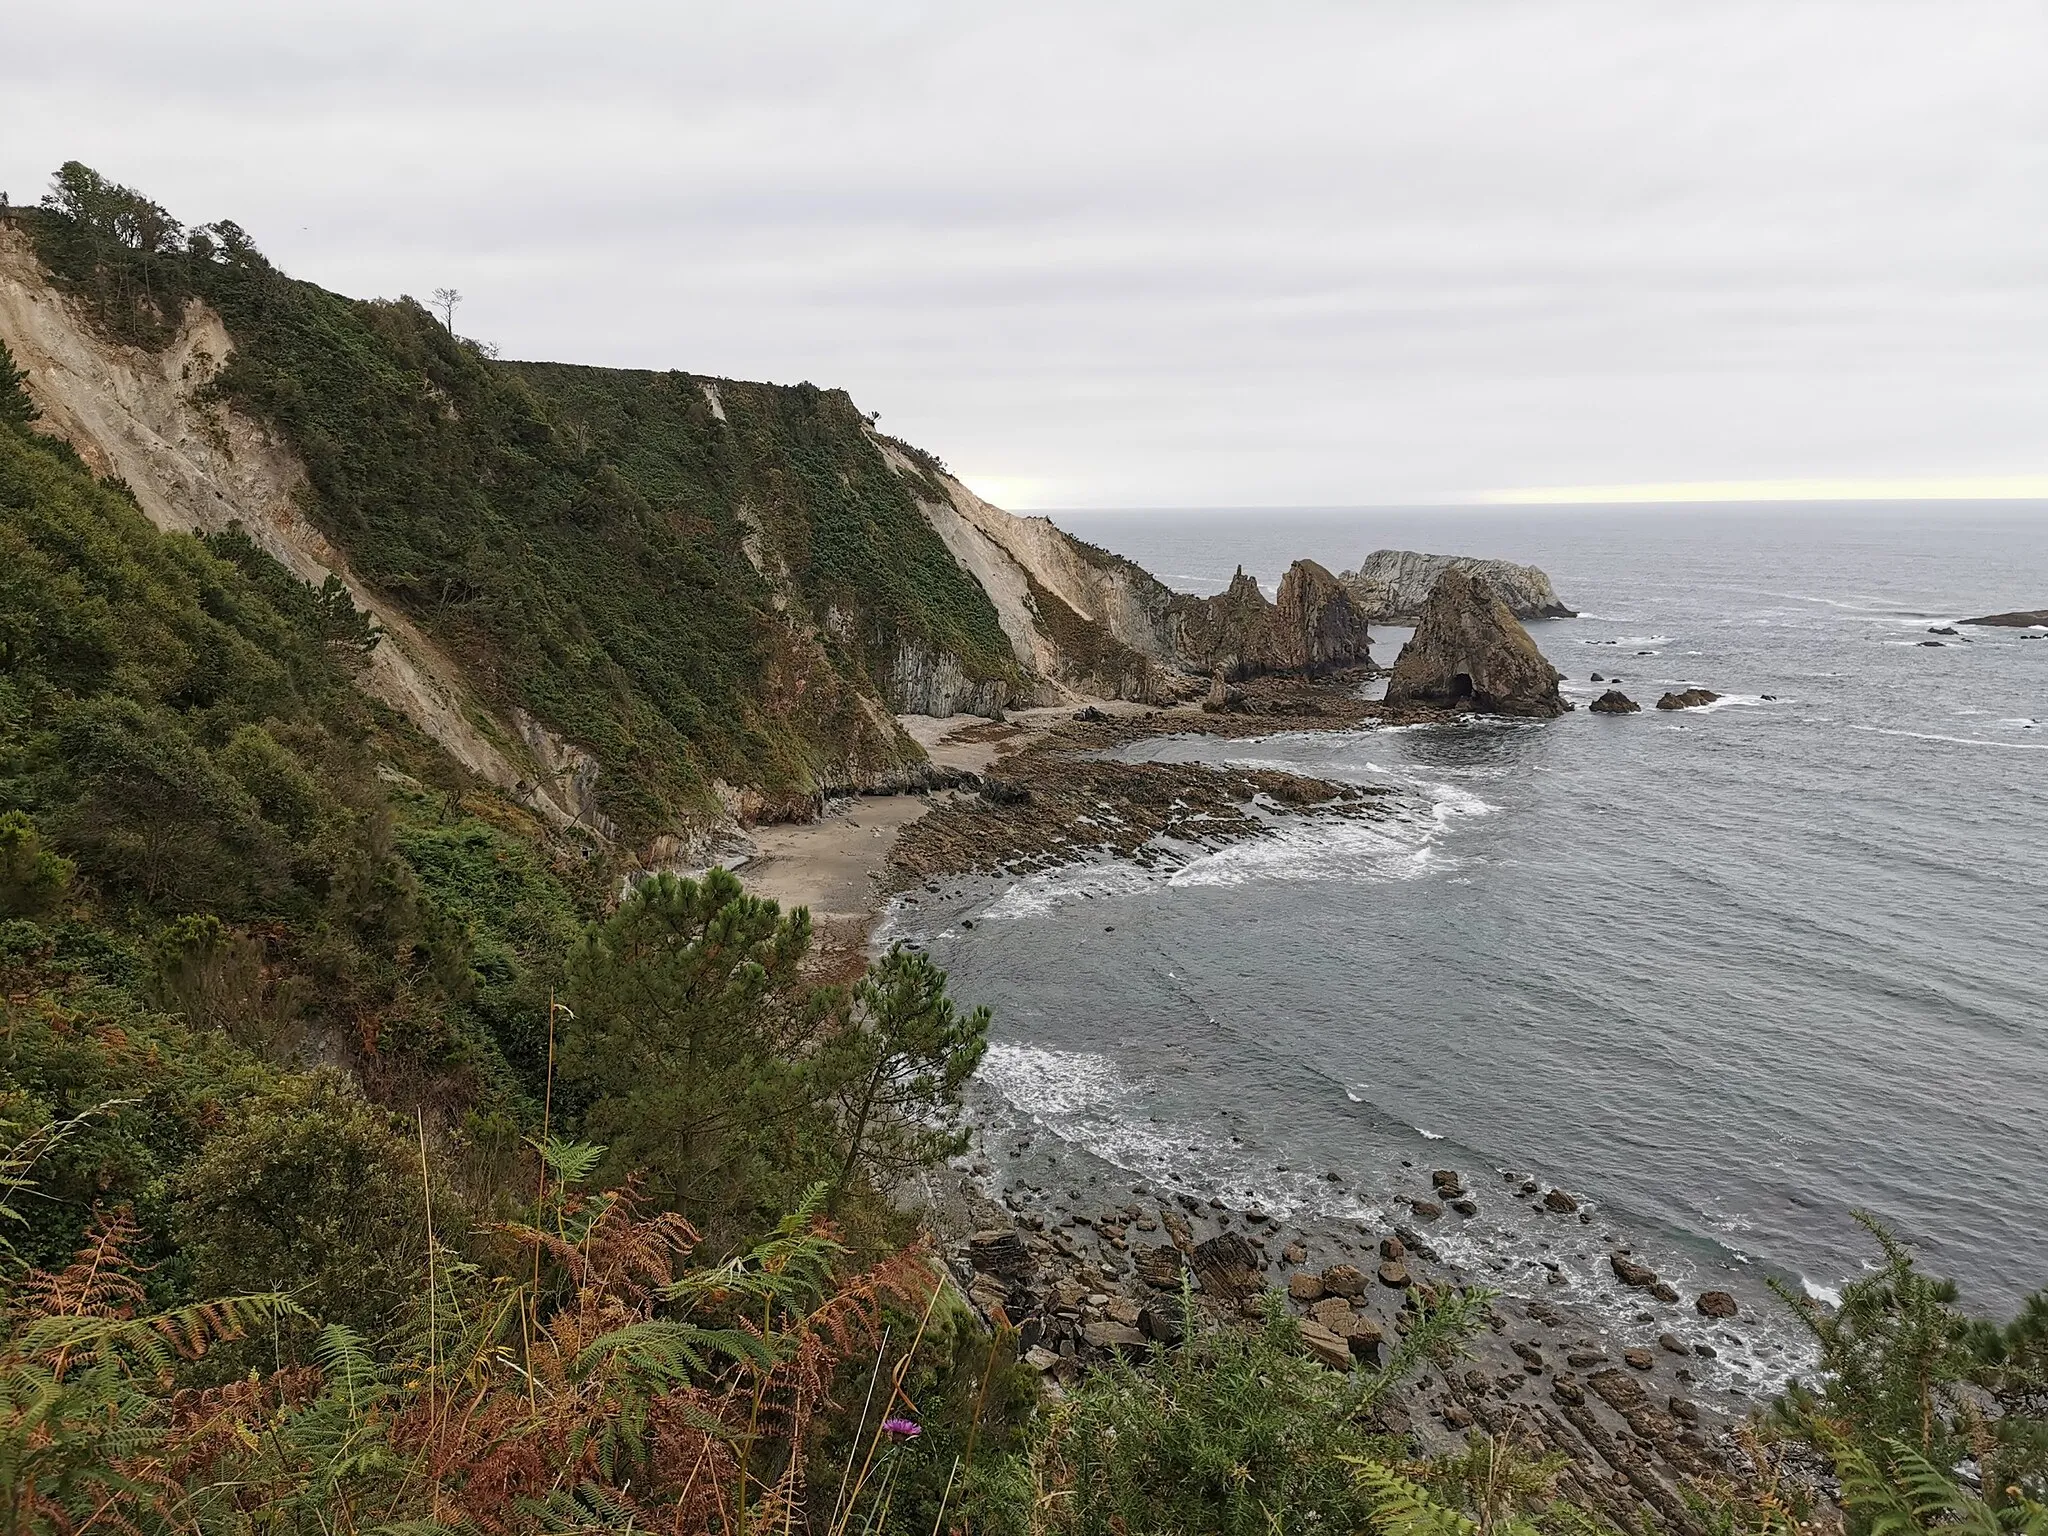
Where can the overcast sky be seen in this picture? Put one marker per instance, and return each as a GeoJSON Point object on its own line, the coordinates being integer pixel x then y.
{"type": "Point", "coordinates": [1126, 254]}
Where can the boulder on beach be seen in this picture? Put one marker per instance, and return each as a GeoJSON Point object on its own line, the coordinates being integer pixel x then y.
{"type": "Point", "coordinates": [1691, 698]}
{"type": "Point", "coordinates": [1469, 651]}
{"type": "Point", "coordinates": [1229, 1266]}
{"type": "Point", "coordinates": [1716, 1304]}
{"type": "Point", "coordinates": [1614, 702]}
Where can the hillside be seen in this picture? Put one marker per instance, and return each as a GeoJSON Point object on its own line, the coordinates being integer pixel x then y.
{"type": "Point", "coordinates": [644, 603]}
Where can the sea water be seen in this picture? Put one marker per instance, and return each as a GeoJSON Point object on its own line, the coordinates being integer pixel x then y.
{"type": "Point", "coordinates": [1727, 975]}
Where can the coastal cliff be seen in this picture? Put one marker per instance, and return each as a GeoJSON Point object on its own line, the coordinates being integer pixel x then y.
{"type": "Point", "coordinates": [634, 600]}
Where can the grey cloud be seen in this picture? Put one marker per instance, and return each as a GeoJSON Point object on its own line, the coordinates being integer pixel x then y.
{"type": "Point", "coordinates": [1162, 253]}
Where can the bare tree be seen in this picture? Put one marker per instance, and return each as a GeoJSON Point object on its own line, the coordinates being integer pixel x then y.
{"type": "Point", "coordinates": [445, 300]}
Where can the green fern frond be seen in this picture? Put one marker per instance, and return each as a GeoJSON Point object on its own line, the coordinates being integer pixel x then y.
{"type": "Point", "coordinates": [1404, 1508]}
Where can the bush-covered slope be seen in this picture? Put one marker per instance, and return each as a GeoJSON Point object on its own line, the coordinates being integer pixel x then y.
{"type": "Point", "coordinates": [577, 538]}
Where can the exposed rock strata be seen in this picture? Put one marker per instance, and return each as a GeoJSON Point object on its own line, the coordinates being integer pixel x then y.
{"type": "Point", "coordinates": [1391, 586]}
{"type": "Point", "coordinates": [1469, 651]}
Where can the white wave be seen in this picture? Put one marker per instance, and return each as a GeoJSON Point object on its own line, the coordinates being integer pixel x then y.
{"type": "Point", "coordinates": [1343, 851]}
{"type": "Point", "coordinates": [1831, 1294]}
{"type": "Point", "coordinates": [1429, 1135]}
{"type": "Point", "coordinates": [1039, 1081]}
{"type": "Point", "coordinates": [1037, 894]}
{"type": "Point", "coordinates": [1960, 741]}
{"type": "Point", "coordinates": [1731, 701]}
{"type": "Point", "coordinates": [1644, 639]}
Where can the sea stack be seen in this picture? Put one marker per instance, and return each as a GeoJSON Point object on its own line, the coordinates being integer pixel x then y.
{"type": "Point", "coordinates": [1317, 625]}
{"type": "Point", "coordinates": [1470, 651]}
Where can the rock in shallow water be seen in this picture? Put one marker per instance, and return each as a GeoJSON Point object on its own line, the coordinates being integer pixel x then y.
{"type": "Point", "coordinates": [1614, 702]}
{"type": "Point", "coordinates": [1691, 698]}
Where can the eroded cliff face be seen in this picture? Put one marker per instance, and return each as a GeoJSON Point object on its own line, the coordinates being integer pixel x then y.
{"type": "Point", "coordinates": [1082, 623]}
{"type": "Point", "coordinates": [196, 465]}
{"type": "Point", "coordinates": [1391, 586]}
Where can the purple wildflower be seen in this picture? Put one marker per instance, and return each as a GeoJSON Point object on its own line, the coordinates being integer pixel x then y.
{"type": "Point", "coordinates": [909, 1429]}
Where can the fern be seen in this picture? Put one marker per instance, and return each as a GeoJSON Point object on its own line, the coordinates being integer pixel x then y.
{"type": "Point", "coordinates": [1404, 1508]}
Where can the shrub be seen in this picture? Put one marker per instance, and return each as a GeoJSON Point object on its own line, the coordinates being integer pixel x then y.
{"type": "Point", "coordinates": [309, 1190]}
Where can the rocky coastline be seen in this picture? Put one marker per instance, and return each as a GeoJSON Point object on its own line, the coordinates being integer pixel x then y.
{"type": "Point", "coordinates": [1087, 1261]}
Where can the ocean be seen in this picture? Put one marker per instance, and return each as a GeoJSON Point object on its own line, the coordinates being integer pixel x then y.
{"type": "Point", "coordinates": [1728, 976]}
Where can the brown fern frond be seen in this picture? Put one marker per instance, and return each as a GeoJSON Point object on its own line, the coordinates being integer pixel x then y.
{"type": "Point", "coordinates": [101, 1281]}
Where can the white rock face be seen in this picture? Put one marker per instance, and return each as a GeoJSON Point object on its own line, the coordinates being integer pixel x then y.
{"type": "Point", "coordinates": [1393, 584]}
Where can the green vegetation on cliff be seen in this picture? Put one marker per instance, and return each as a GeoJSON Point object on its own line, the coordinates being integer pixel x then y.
{"type": "Point", "coordinates": [575, 537]}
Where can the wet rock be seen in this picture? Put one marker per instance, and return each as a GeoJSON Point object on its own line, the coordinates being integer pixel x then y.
{"type": "Point", "coordinates": [1416, 1245]}
{"type": "Point", "coordinates": [1294, 1253]}
{"type": "Point", "coordinates": [1943, 629]}
{"type": "Point", "coordinates": [1672, 1344]}
{"type": "Point", "coordinates": [1585, 1359]}
{"type": "Point", "coordinates": [1567, 1391]}
{"type": "Point", "coordinates": [1639, 1359]}
{"type": "Point", "coordinates": [1531, 1357]}
{"type": "Point", "coordinates": [1631, 1273]}
{"type": "Point", "coordinates": [1394, 1273]}
{"type": "Point", "coordinates": [1446, 1182]}
{"type": "Point", "coordinates": [1557, 1200]}
{"type": "Point", "coordinates": [1465, 1207]}
{"type": "Point", "coordinates": [1305, 1287]}
{"type": "Point", "coordinates": [1469, 650]}
{"type": "Point", "coordinates": [1716, 1304]}
{"type": "Point", "coordinates": [1393, 1248]}
{"type": "Point", "coordinates": [1685, 1409]}
{"type": "Point", "coordinates": [1691, 698]}
{"type": "Point", "coordinates": [1425, 1210]}
{"type": "Point", "coordinates": [1614, 702]}
{"type": "Point", "coordinates": [1090, 713]}
{"type": "Point", "coordinates": [1665, 1292]}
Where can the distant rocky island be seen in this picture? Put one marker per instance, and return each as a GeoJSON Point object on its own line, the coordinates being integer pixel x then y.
{"type": "Point", "coordinates": [1391, 586]}
{"type": "Point", "coordinates": [2031, 618]}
